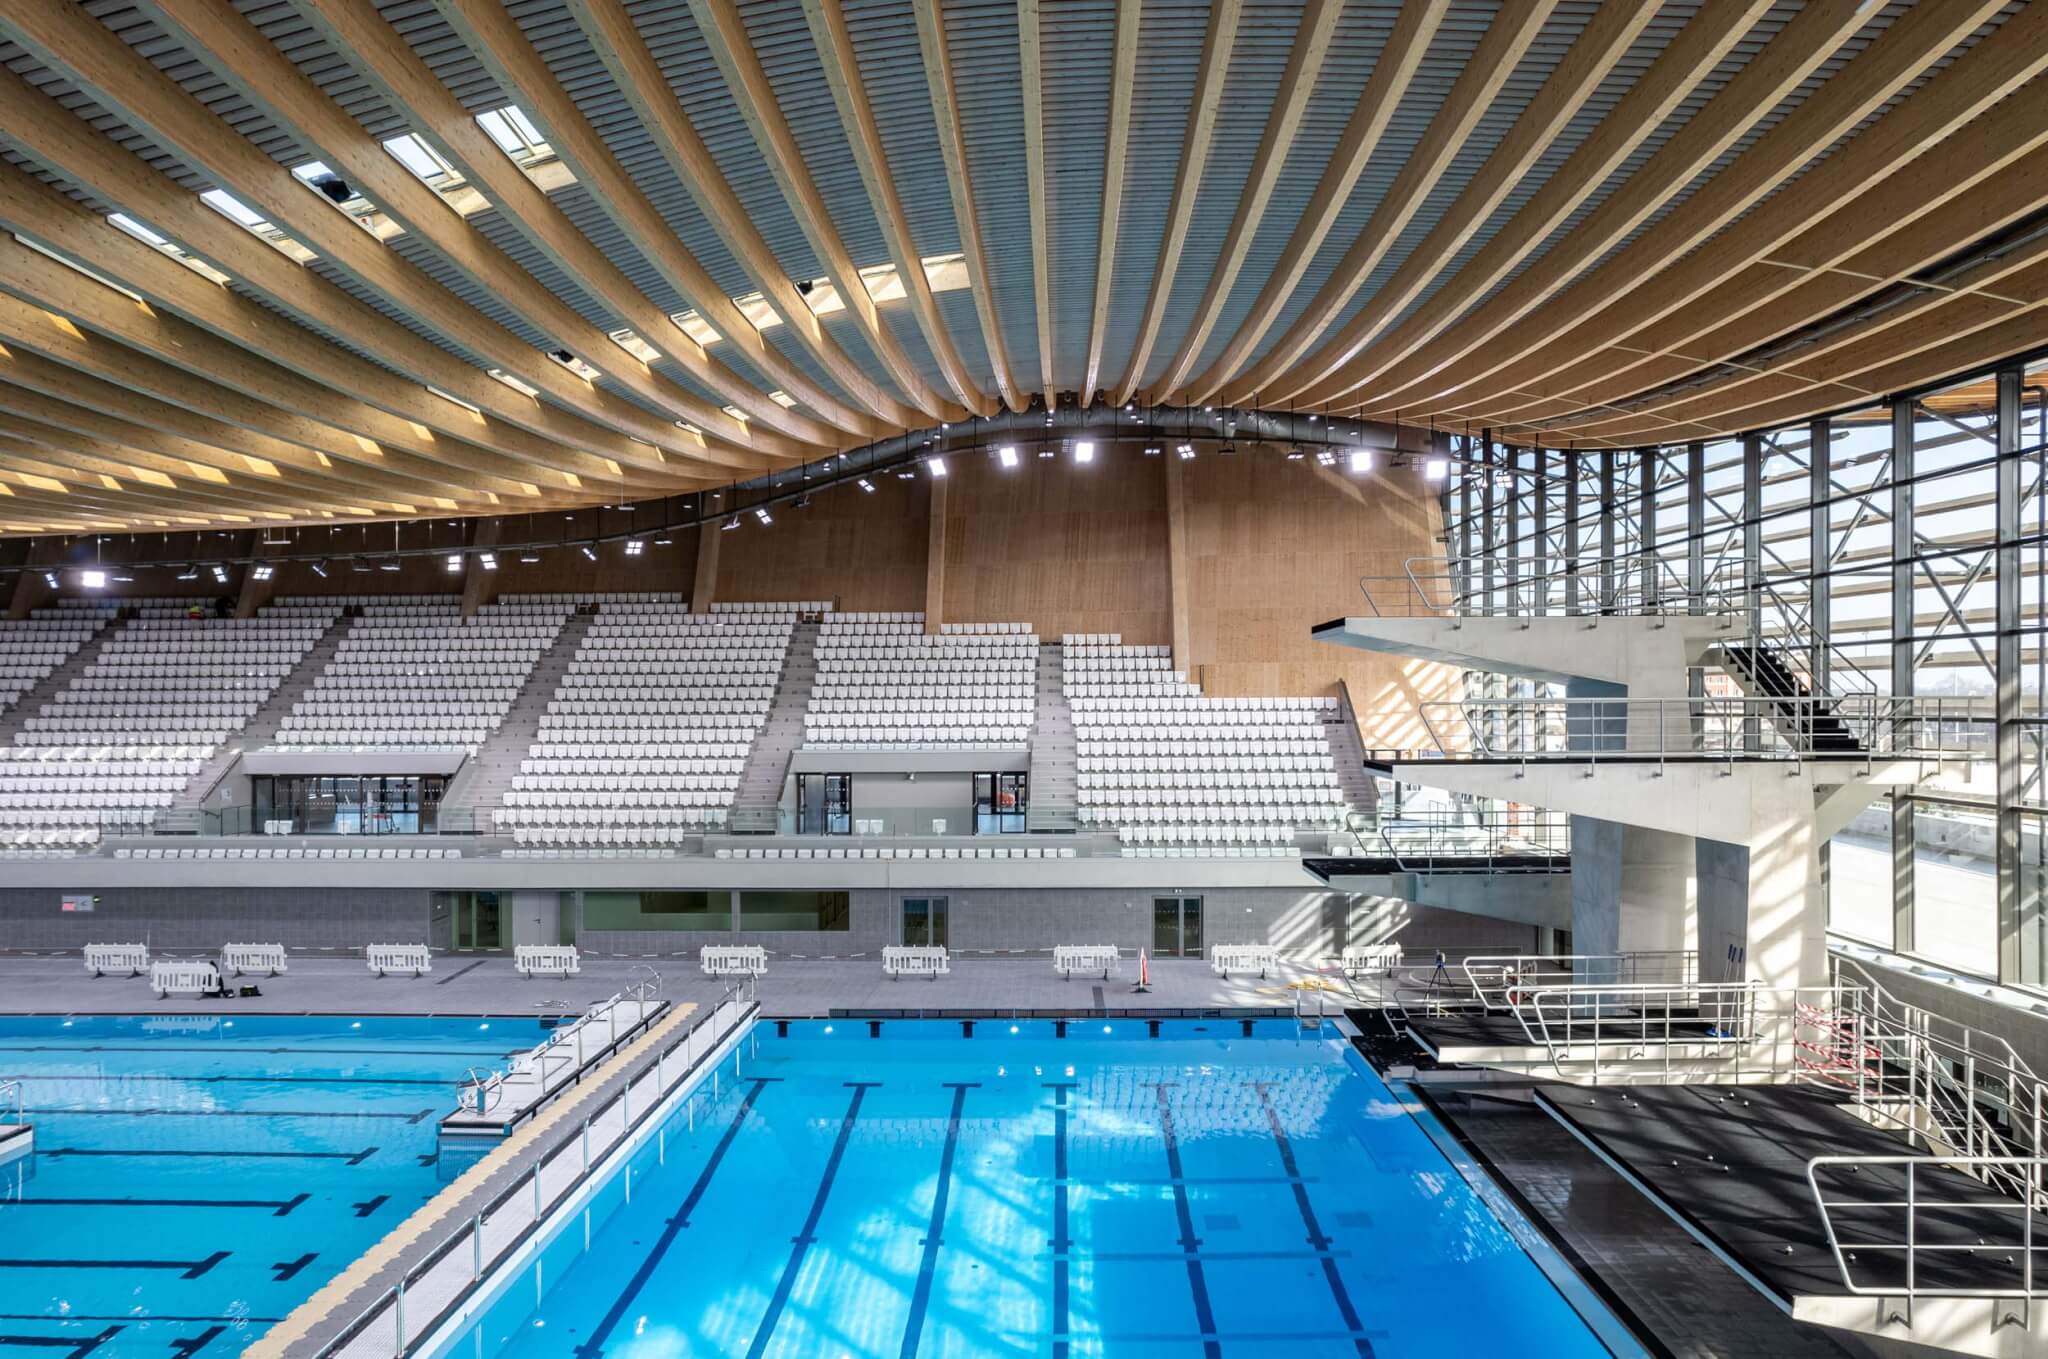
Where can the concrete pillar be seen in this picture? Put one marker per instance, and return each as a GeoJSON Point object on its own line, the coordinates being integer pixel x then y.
{"type": "Point", "coordinates": [480, 587]}
{"type": "Point", "coordinates": [1762, 917]}
{"type": "Point", "coordinates": [1633, 890]}
{"type": "Point", "coordinates": [704, 585]}
{"type": "Point", "coordinates": [935, 555]}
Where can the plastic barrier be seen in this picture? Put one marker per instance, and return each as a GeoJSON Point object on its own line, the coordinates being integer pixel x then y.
{"type": "Point", "coordinates": [130, 958]}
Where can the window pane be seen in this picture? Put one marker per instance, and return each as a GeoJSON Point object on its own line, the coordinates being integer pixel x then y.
{"type": "Point", "coordinates": [809, 911]}
{"type": "Point", "coordinates": [1955, 898]}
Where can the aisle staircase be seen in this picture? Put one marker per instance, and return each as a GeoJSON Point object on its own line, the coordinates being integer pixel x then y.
{"type": "Point", "coordinates": [1054, 791]}
{"type": "Point", "coordinates": [56, 682]}
{"type": "Point", "coordinates": [478, 788]}
{"type": "Point", "coordinates": [1764, 672]}
{"type": "Point", "coordinates": [261, 731]}
{"type": "Point", "coordinates": [754, 806]}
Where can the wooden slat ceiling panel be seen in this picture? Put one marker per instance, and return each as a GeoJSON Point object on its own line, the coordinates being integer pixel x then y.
{"type": "Point", "coordinates": [1431, 248]}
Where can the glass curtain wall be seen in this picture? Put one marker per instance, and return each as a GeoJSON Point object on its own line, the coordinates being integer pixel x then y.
{"type": "Point", "coordinates": [1898, 548]}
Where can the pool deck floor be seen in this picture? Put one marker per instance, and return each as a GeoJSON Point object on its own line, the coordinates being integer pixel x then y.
{"type": "Point", "coordinates": [485, 983]}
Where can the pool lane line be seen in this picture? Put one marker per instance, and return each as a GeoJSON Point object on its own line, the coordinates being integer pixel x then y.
{"type": "Point", "coordinates": [354, 1158]}
{"type": "Point", "coordinates": [921, 1296]}
{"type": "Point", "coordinates": [594, 1346]}
{"type": "Point", "coordinates": [78, 1348]}
{"type": "Point", "coordinates": [1339, 1294]}
{"type": "Point", "coordinates": [278, 1207]}
{"type": "Point", "coordinates": [139, 1316]}
{"type": "Point", "coordinates": [185, 1346]}
{"type": "Point", "coordinates": [1190, 1244]}
{"type": "Point", "coordinates": [225, 1048]}
{"type": "Point", "coordinates": [187, 1269]}
{"type": "Point", "coordinates": [800, 1245]}
{"type": "Point", "coordinates": [337, 1113]}
{"type": "Point", "coordinates": [443, 981]}
{"type": "Point", "coordinates": [1061, 1245]}
{"type": "Point", "coordinates": [127, 1077]}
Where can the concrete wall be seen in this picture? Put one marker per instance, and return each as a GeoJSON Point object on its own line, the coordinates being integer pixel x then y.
{"type": "Point", "coordinates": [182, 918]}
{"type": "Point", "coordinates": [1724, 908]}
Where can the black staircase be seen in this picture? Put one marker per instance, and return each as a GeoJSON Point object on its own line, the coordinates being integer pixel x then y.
{"type": "Point", "coordinates": [1809, 725]}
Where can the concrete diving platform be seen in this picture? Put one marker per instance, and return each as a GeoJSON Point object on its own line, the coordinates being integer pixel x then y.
{"type": "Point", "coordinates": [492, 1103]}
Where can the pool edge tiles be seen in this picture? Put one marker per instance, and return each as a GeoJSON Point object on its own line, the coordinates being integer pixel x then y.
{"type": "Point", "coordinates": [1200, 1192]}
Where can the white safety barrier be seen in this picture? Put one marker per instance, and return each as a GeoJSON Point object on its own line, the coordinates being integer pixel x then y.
{"type": "Point", "coordinates": [532, 958]}
{"type": "Point", "coordinates": [733, 960]}
{"type": "Point", "coordinates": [1067, 959]}
{"type": "Point", "coordinates": [240, 958]}
{"type": "Point", "coordinates": [196, 975]}
{"type": "Point", "coordinates": [130, 958]}
{"type": "Point", "coordinates": [914, 962]}
{"type": "Point", "coordinates": [414, 958]}
{"type": "Point", "coordinates": [1225, 959]}
{"type": "Point", "coordinates": [1366, 959]}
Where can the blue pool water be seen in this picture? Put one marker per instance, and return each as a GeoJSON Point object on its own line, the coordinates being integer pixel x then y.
{"type": "Point", "coordinates": [195, 1178]}
{"type": "Point", "coordinates": [1204, 1192]}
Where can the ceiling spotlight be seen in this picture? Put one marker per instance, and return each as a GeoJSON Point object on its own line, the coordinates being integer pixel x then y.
{"type": "Point", "coordinates": [1313, 418]}
{"type": "Point", "coordinates": [1325, 458]}
{"type": "Point", "coordinates": [264, 572]}
{"type": "Point", "coordinates": [388, 564]}
{"type": "Point", "coordinates": [50, 579]}
{"type": "Point", "coordinates": [530, 556]}
{"type": "Point", "coordinates": [454, 562]}
{"type": "Point", "coordinates": [1047, 451]}
{"type": "Point", "coordinates": [93, 580]}
{"type": "Point", "coordinates": [1130, 406]}
{"type": "Point", "coordinates": [1007, 455]}
{"type": "Point", "coordinates": [320, 570]}
{"type": "Point", "coordinates": [729, 525]}
{"type": "Point", "coordinates": [761, 513]}
{"type": "Point", "coordinates": [589, 551]}
{"type": "Point", "coordinates": [1187, 452]}
{"type": "Point", "coordinates": [1361, 461]}
{"type": "Point", "coordinates": [358, 565]}
{"type": "Point", "coordinates": [802, 501]}
{"type": "Point", "coordinates": [936, 463]}
{"type": "Point", "coordinates": [634, 547]}
{"type": "Point", "coordinates": [1295, 454]}
{"type": "Point", "coordinates": [220, 573]}
{"type": "Point", "coordinates": [1084, 451]}
{"type": "Point", "coordinates": [487, 560]}
{"type": "Point", "coordinates": [1436, 469]}
{"type": "Point", "coordinates": [1153, 450]}
{"type": "Point", "coordinates": [867, 485]}
{"type": "Point", "coordinates": [190, 572]}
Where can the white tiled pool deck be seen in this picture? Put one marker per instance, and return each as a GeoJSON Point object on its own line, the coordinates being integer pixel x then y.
{"type": "Point", "coordinates": [487, 984]}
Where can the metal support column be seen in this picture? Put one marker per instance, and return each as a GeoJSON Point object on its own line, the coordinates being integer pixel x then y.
{"type": "Point", "coordinates": [2007, 683]}
{"type": "Point", "coordinates": [1904, 931]}
{"type": "Point", "coordinates": [1696, 546]}
{"type": "Point", "coordinates": [1571, 531]}
{"type": "Point", "coordinates": [1488, 533]}
{"type": "Point", "coordinates": [1753, 563]}
{"type": "Point", "coordinates": [1609, 584]}
{"type": "Point", "coordinates": [1819, 610]}
{"type": "Point", "coordinates": [1513, 458]}
{"type": "Point", "coordinates": [1539, 529]}
{"type": "Point", "coordinates": [1646, 525]}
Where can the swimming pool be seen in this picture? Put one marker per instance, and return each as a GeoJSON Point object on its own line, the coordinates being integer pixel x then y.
{"type": "Point", "coordinates": [196, 1177]}
{"type": "Point", "coordinates": [1131, 1188]}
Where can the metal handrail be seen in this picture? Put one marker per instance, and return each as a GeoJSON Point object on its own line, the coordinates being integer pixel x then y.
{"type": "Point", "coordinates": [1847, 1257]}
{"type": "Point", "coordinates": [739, 996]}
{"type": "Point", "coordinates": [1476, 831]}
{"type": "Point", "coordinates": [1454, 587]}
{"type": "Point", "coordinates": [546, 1059]}
{"type": "Point", "coordinates": [11, 1090]}
{"type": "Point", "coordinates": [1511, 981]}
{"type": "Point", "coordinates": [1730, 729]}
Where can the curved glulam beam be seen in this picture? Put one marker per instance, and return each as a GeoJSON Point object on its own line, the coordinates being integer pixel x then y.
{"type": "Point", "coordinates": [1212, 74]}
{"type": "Point", "coordinates": [1506, 42]}
{"type": "Point", "coordinates": [1031, 72]}
{"type": "Point", "coordinates": [67, 39]}
{"type": "Point", "coordinates": [864, 138]}
{"type": "Point", "coordinates": [1392, 70]}
{"type": "Point", "coordinates": [1297, 84]}
{"type": "Point", "coordinates": [725, 33]}
{"type": "Point", "coordinates": [1475, 349]}
{"type": "Point", "coordinates": [938, 74]}
{"type": "Point", "coordinates": [1576, 79]}
{"type": "Point", "coordinates": [1123, 78]}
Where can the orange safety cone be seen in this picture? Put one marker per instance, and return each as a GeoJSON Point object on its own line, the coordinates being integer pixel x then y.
{"type": "Point", "coordinates": [1144, 973]}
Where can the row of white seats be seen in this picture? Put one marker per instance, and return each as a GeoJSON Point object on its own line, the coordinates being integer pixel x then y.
{"type": "Point", "coordinates": [606, 852]}
{"type": "Point", "coordinates": [1294, 709]}
{"type": "Point", "coordinates": [635, 730]}
{"type": "Point", "coordinates": [1320, 815]}
{"type": "Point", "coordinates": [1210, 852]}
{"type": "Point", "coordinates": [699, 743]}
{"type": "Point", "coordinates": [550, 800]}
{"type": "Point", "coordinates": [669, 833]}
{"type": "Point", "coordinates": [900, 852]}
{"type": "Point", "coordinates": [914, 738]}
{"type": "Point", "coordinates": [1183, 773]}
{"type": "Point", "coordinates": [292, 852]}
{"type": "Point", "coordinates": [608, 814]}
{"type": "Point", "coordinates": [30, 841]}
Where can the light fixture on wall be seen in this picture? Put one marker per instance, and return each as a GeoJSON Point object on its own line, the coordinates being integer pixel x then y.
{"type": "Point", "coordinates": [454, 562]}
{"type": "Point", "coordinates": [487, 560]}
{"type": "Point", "coordinates": [589, 551]}
{"type": "Point", "coordinates": [867, 485]}
{"type": "Point", "coordinates": [761, 513]}
{"type": "Point", "coordinates": [936, 463]}
{"type": "Point", "coordinates": [1084, 451]}
{"type": "Point", "coordinates": [93, 580]}
{"type": "Point", "coordinates": [729, 525]}
{"type": "Point", "coordinates": [1007, 455]}
{"type": "Point", "coordinates": [1436, 469]}
{"type": "Point", "coordinates": [263, 571]}
{"type": "Point", "coordinates": [634, 547]}
{"type": "Point", "coordinates": [320, 570]}
{"type": "Point", "coordinates": [1361, 461]}
{"type": "Point", "coordinates": [220, 573]}
{"type": "Point", "coordinates": [1187, 452]}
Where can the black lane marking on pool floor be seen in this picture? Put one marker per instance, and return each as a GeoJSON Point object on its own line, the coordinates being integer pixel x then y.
{"type": "Point", "coordinates": [801, 1245]}
{"type": "Point", "coordinates": [231, 1113]}
{"type": "Point", "coordinates": [187, 1269]}
{"type": "Point", "coordinates": [226, 1048]}
{"type": "Point", "coordinates": [287, 1270]}
{"type": "Point", "coordinates": [443, 981]}
{"type": "Point", "coordinates": [354, 1158]}
{"type": "Point", "coordinates": [78, 1347]}
{"type": "Point", "coordinates": [125, 1078]}
{"type": "Point", "coordinates": [278, 1207]}
{"type": "Point", "coordinates": [1061, 1246]}
{"type": "Point", "coordinates": [1339, 1294]}
{"type": "Point", "coordinates": [921, 1296]}
{"type": "Point", "coordinates": [184, 1347]}
{"type": "Point", "coordinates": [138, 1316]}
{"type": "Point", "coordinates": [594, 1346]}
{"type": "Point", "coordinates": [1190, 1244]}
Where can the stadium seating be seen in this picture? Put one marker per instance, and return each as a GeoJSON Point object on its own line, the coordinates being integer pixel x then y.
{"type": "Point", "coordinates": [120, 742]}
{"type": "Point", "coordinates": [413, 673]}
{"type": "Point", "coordinates": [646, 738]}
{"type": "Point", "coordinates": [1176, 773]}
{"type": "Point", "coordinates": [884, 684]}
{"type": "Point", "coordinates": [30, 648]}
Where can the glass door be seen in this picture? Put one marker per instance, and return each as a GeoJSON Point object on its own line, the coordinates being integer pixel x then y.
{"type": "Point", "coordinates": [924, 922]}
{"type": "Point", "coordinates": [1177, 927]}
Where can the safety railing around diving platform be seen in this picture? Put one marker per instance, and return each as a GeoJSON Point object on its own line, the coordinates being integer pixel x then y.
{"type": "Point", "coordinates": [1456, 588]}
{"type": "Point", "coordinates": [1436, 836]}
{"type": "Point", "coordinates": [439, 1278]}
{"type": "Point", "coordinates": [498, 1099]}
{"type": "Point", "coordinates": [1592, 731]}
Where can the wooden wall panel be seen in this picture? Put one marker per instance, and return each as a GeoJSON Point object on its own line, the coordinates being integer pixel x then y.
{"type": "Point", "coordinates": [1064, 548]}
{"type": "Point", "coordinates": [860, 551]}
{"type": "Point", "coordinates": [1276, 548]}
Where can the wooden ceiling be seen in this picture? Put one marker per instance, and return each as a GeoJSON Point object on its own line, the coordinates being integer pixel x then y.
{"type": "Point", "coordinates": [306, 261]}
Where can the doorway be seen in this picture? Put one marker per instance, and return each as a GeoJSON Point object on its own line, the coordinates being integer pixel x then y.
{"type": "Point", "coordinates": [473, 920]}
{"type": "Point", "coordinates": [1177, 927]}
{"type": "Point", "coordinates": [924, 922]}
